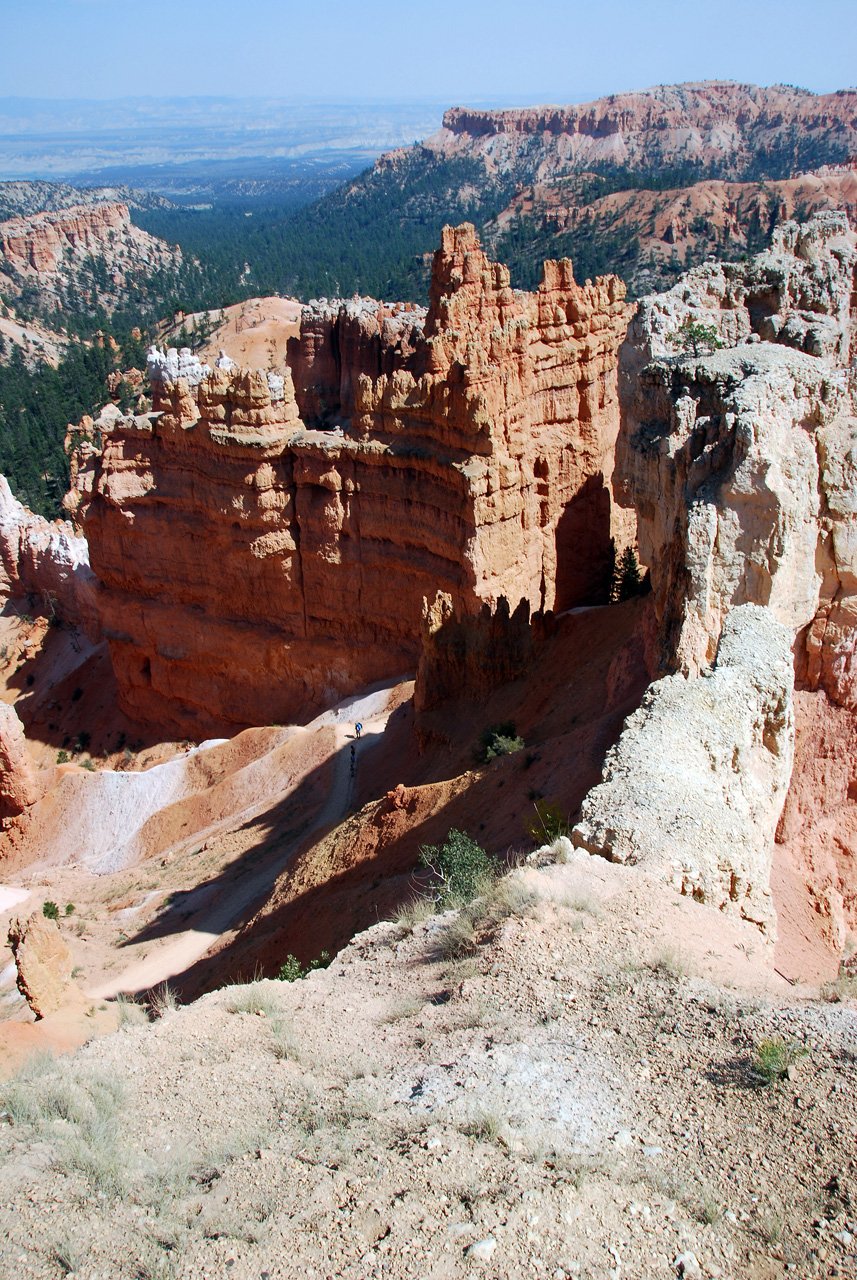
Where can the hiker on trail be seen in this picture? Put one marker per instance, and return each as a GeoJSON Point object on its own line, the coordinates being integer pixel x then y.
{"type": "Point", "coordinates": [358, 728]}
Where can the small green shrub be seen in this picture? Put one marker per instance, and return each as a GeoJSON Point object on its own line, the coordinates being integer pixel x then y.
{"type": "Point", "coordinates": [498, 740]}
{"type": "Point", "coordinates": [62, 757]}
{"type": "Point", "coordinates": [69, 908]}
{"type": "Point", "coordinates": [293, 970]}
{"type": "Point", "coordinates": [50, 910]}
{"type": "Point", "coordinates": [462, 867]}
{"type": "Point", "coordinates": [773, 1056]}
{"type": "Point", "coordinates": [548, 824]}
{"type": "Point", "coordinates": [696, 338]}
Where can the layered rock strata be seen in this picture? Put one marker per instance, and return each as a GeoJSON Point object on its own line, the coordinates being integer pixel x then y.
{"type": "Point", "coordinates": [708, 122]}
{"type": "Point", "coordinates": [695, 787]}
{"type": "Point", "coordinates": [253, 566]}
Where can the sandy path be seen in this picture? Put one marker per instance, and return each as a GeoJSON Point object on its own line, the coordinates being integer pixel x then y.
{"type": "Point", "coordinates": [190, 946]}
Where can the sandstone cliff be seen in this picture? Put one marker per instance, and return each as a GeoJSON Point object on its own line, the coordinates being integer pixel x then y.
{"type": "Point", "coordinates": [252, 565]}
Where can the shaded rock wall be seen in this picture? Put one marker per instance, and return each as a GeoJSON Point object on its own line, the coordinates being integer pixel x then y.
{"type": "Point", "coordinates": [467, 657]}
{"type": "Point", "coordinates": [253, 567]}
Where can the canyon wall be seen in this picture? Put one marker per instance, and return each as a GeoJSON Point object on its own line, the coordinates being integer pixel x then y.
{"type": "Point", "coordinates": [264, 545]}
{"type": "Point", "coordinates": [739, 462]}
{"type": "Point", "coordinates": [704, 123]}
{"type": "Point", "coordinates": [84, 257]}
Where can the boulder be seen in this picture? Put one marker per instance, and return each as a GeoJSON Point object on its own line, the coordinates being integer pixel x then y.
{"type": "Point", "coordinates": [44, 964]}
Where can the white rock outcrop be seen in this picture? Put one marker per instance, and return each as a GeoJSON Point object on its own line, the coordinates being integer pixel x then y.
{"type": "Point", "coordinates": [45, 558]}
{"type": "Point", "coordinates": [169, 366]}
{"type": "Point", "coordinates": [741, 464]}
{"type": "Point", "coordinates": [696, 784]}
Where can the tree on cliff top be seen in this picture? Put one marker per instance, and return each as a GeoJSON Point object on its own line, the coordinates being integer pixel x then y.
{"type": "Point", "coordinates": [696, 338]}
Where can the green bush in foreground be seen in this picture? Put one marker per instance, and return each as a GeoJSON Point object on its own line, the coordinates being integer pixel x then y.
{"type": "Point", "coordinates": [462, 867]}
{"type": "Point", "coordinates": [50, 910]}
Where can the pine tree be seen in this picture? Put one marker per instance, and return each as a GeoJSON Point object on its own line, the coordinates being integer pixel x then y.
{"type": "Point", "coordinates": [629, 575]}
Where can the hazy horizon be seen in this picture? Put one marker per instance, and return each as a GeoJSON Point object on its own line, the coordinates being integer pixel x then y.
{"type": "Point", "coordinates": [454, 51]}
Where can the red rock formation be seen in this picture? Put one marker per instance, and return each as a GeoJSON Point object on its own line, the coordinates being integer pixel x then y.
{"type": "Point", "coordinates": [687, 223]}
{"type": "Point", "coordinates": [252, 569]}
{"type": "Point", "coordinates": [19, 786]}
{"type": "Point", "coordinates": [339, 341]}
{"type": "Point", "coordinates": [468, 657]}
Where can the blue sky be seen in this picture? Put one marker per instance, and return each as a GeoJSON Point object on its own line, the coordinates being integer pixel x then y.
{"type": "Point", "coordinates": [450, 50]}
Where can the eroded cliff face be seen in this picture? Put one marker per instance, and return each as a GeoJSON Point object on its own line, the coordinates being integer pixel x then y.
{"type": "Point", "coordinates": [253, 565]}
{"type": "Point", "coordinates": [696, 784]}
{"type": "Point", "coordinates": [740, 464]}
{"type": "Point", "coordinates": [52, 254]}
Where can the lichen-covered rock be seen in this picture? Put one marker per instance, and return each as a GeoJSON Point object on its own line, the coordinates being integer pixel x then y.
{"type": "Point", "coordinates": [44, 964]}
{"type": "Point", "coordinates": [695, 786]}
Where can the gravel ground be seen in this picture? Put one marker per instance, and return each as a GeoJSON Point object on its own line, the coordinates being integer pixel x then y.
{"type": "Point", "coordinates": [570, 1094]}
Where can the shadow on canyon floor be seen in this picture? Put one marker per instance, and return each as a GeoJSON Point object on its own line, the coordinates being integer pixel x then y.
{"type": "Point", "coordinates": [320, 886]}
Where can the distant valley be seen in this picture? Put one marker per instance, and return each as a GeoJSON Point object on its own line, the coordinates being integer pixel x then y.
{"type": "Point", "coordinates": [259, 200]}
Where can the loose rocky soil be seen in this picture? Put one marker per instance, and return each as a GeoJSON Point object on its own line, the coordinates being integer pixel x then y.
{"type": "Point", "coordinates": [573, 1097]}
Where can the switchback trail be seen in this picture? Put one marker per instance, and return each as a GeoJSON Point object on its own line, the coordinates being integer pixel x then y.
{"type": "Point", "coordinates": [188, 947]}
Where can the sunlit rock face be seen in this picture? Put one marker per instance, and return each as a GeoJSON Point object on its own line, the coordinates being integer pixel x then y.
{"type": "Point", "coordinates": [264, 546]}
{"type": "Point", "coordinates": [739, 459]}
